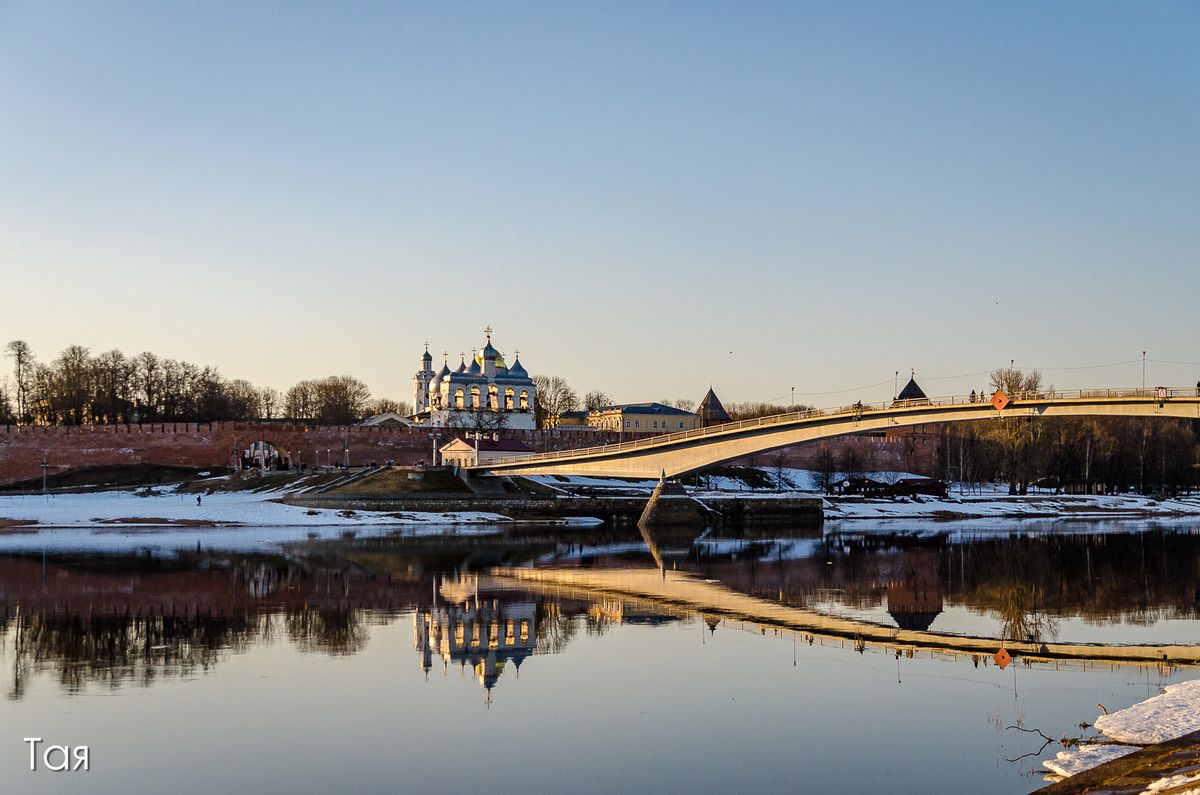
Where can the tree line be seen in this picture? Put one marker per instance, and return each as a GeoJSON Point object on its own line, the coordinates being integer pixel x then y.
{"type": "Point", "coordinates": [1116, 454]}
{"type": "Point", "coordinates": [82, 388]}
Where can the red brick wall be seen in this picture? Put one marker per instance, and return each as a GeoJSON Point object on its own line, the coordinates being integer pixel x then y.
{"type": "Point", "coordinates": [205, 445]}
{"type": "Point", "coordinates": [212, 445]}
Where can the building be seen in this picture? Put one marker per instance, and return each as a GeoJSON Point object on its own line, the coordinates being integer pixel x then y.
{"type": "Point", "coordinates": [485, 394]}
{"type": "Point", "coordinates": [572, 419]}
{"type": "Point", "coordinates": [643, 418]}
{"type": "Point", "coordinates": [389, 419]}
{"type": "Point", "coordinates": [912, 394]}
{"type": "Point", "coordinates": [711, 411]}
{"type": "Point", "coordinates": [488, 450]}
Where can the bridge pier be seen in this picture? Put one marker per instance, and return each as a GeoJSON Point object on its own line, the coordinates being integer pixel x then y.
{"type": "Point", "coordinates": [671, 505]}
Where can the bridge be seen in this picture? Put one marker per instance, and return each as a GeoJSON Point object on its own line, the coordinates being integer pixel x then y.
{"type": "Point", "coordinates": [675, 454]}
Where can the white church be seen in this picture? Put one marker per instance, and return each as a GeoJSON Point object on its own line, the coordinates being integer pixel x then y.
{"type": "Point", "coordinates": [451, 398]}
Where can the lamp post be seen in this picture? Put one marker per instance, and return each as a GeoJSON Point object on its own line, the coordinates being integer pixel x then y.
{"type": "Point", "coordinates": [45, 469]}
{"type": "Point", "coordinates": [793, 398]}
{"type": "Point", "coordinates": [1143, 371]}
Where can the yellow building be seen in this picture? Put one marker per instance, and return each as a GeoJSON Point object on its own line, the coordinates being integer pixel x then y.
{"type": "Point", "coordinates": [643, 418]}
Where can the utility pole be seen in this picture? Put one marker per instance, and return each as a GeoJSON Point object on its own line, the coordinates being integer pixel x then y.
{"type": "Point", "coordinates": [895, 385]}
{"type": "Point", "coordinates": [1143, 371]}
{"type": "Point", "coordinates": [793, 398]}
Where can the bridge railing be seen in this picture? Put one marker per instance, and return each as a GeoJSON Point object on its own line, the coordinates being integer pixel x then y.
{"type": "Point", "coordinates": [856, 410]}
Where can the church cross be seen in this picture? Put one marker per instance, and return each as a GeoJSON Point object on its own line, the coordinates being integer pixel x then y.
{"type": "Point", "coordinates": [488, 331]}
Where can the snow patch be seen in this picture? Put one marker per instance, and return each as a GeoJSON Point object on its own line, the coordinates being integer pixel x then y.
{"type": "Point", "coordinates": [1173, 714]}
{"type": "Point", "coordinates": [1085, 757]}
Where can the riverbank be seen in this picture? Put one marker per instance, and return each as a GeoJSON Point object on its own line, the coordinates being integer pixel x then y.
{"type": "Point", "coordinates": [167, 507]}
{"type": "Point", "coordinates": [1033, 506]}
{"type": "Point", "coordinates": [216, 503]}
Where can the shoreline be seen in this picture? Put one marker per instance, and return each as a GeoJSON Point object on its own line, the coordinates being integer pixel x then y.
{"type": "Point", "coordinates": [24, 514]}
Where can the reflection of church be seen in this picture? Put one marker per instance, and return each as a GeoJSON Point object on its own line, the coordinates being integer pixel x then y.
{"type": "Point", "coordinates": [488, 384]}
{"type": "Point", "coordinates": [484, 634]}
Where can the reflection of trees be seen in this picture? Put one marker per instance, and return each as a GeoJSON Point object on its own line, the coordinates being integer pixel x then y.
{"type": "Point", "coordinates": [116, 649]}
{"type": "Point", "coordinates": [554, 628]}
{"type": "Point", "coordinates": [1020, 619]}
{"type": "Point", "coordinates": [329, 631]}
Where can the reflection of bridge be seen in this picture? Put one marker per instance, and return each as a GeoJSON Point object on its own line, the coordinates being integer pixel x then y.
{"type": "Point", "coordinates": [675, 590]}
{"type": "Point", "coordinates": [679, 453]}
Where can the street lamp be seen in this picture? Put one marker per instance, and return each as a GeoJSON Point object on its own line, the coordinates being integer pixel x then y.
{"type": "Point", "coordinates": [45, 469]}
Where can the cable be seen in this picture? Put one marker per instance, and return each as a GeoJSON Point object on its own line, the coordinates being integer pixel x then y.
{"type": "Point", "coordinates": [986, 372]}
{"type": "Point", "coordinates": [1167, 361]}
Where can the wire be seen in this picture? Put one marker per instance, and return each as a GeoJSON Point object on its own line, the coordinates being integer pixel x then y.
{"type": "Point", "coordinates": [986, 372]}
{"type": "Point", "coordinates": [1167, 361]}
{"type": "Point", "coordinates": [1088, 366]}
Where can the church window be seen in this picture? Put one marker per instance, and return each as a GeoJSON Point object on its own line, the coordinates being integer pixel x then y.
{"type": "Point", "coordinates": [493, 398]}
{"type": "Point", "coordinates": [458, 399]}
{"type": "Point", "coordinates": [637, 423]}
{"type": "Point", "coordinates": [474, 397]}
{"type": "Point", "coordinates": [524, 400]}
{"type": "Point", "coordinates": [508, 399]}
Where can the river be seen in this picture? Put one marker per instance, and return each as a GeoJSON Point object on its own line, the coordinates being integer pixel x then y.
{"type": "Point", "coordinates": [259, 660]}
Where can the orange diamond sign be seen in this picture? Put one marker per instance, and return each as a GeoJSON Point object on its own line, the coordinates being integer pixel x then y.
{"type": "Point", "coordinates": [1002, 658]}
{"type": "Point", "coordinates": [999, 400]}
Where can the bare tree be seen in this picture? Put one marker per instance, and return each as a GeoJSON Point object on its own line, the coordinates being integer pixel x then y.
{"type": "Point", "coordinates": [270, 402]}
{"type": "Point", "coordinates": [852, 460]}
{"type": "Point", "coordinates": [384, 405]}
{"type": "Point", "coordinates": [554, 397]}
{"type": "Point", "coordinates": [23, 361]}
{"type": "Point", "coordinates": [826, 468]}
{"type": "Point", "coordinates": [596, 400]}
{"type": "Point", "coordinates": [684, 404]}
{"type": "Point", "coordinates": [1018, 437]}
{"type": "Point", "coordinates": [7, 415]}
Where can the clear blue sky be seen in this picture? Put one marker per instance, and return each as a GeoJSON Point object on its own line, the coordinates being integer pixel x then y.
{"type": "Point", "coordinates": [643, 198]}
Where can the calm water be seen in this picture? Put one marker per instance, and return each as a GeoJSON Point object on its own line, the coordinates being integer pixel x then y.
{"type": "Point", "coordinates": [401, 664]}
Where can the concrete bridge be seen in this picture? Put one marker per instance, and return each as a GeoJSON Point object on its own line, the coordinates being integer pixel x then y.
{"type": "Point", "coordinates": [677, 454]}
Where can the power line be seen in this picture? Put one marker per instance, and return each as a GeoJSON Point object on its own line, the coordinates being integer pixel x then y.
{"type": "Point", "coordinates": [1167, 361]}
{"type": "Point", "coordinates": [988, 373]}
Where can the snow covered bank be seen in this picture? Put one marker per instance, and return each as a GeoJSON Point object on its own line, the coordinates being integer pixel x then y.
{"type": "Point", "coordinates": [1164, 717]}
{"type": "Point", "coordinates": [1032, 506]}
{"type": "Point", "coordinates": [165, 507]}
{"type": "Point", "coordinates": [1173, 714]}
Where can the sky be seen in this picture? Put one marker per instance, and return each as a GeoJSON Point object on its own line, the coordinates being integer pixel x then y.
{"type": "Point", "coordinates": [646, 199]}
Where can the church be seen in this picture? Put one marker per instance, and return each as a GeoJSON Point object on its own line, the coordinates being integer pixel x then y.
{"type": "Point", "coordinates": [455, 398]}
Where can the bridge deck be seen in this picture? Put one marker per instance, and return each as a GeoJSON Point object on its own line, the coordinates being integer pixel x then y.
{"type": "Point", "coordinates": [678, 453]}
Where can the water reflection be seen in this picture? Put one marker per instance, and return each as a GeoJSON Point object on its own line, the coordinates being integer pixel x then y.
{"type": "Point", "coordinates": [106, 620]}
